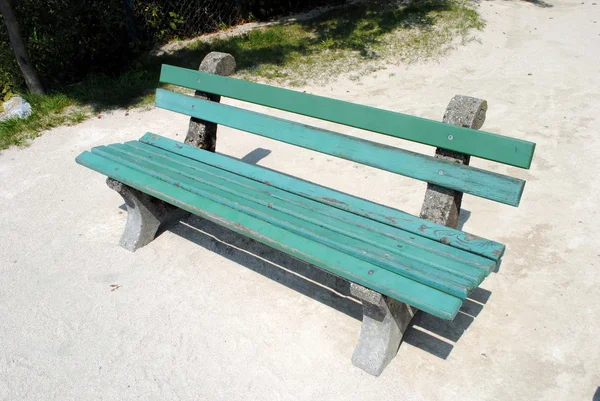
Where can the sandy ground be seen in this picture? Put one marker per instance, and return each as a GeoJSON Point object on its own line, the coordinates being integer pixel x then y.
{"type": "Point", "coordinates": [204, 314]}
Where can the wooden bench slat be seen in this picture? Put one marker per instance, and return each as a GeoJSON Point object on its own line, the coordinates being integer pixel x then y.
{"type": "Point", "coordinates": [345, 237]}
{"type": "Point", "coordinates": [482, 144]}
{"type": "Point", "coordinates": [459, 177]}
{"type": "Point", "coordinates": [419, 249]}
{"type": "Point", "coordinates": [364, 273]}
{"type": "Point", "coordinates": [429, 251]}
{"type": "Point", "coordinates": [451, 284]}
{"type": "Point", "coordinates": [383, 214]}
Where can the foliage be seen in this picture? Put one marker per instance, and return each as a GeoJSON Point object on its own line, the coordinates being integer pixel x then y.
{"type": "Point", "coordinates": [68, 40]}
{"type": "Point", "coordinates": [48, 112]}
{"type": "Point", "coordinates": [354, 39]}
{"type": "Point", "coordinates": [10, 75]}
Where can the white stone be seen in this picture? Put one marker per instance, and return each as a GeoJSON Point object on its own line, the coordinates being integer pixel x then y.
{"type": "Point", "coordinates": [15, 107]}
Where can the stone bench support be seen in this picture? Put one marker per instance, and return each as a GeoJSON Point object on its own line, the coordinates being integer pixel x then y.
{"type": "Point", "coordinates": [146, 214]}
{"type": "Point", "coordinates": [385, 320]}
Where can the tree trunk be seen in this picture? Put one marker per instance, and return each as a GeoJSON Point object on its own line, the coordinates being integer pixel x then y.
{"type": "Point", "coordinates": [14, 33]}
{"type": "Point", "coordinates": [131, 25]}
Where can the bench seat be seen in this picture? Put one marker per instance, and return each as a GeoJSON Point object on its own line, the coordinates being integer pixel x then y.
{"type": "Point", "coordinates": [425, 265]}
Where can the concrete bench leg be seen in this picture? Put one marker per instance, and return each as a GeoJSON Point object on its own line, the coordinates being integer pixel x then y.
{"type": "Point", "coordinates": [203, 134]}
{"type": "Point", "coordinates": [384, 319]}
{"type": "Point", "coordinates": [145, 215]}
{"type": "Point", "coordinates": [384, 322]}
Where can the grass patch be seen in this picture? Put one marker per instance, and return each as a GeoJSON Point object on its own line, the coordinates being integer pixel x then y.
{"type": "Point", "coordinates": [76, 103]}
{"type": "Point", "coordinates": [48, 111]}
{"type": "Point", "coordinates": [355, 40]}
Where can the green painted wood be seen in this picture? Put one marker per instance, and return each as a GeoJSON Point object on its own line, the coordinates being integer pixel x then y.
{"type": "Point", "coordinates": [447, 174]}
{"type": "Point", "coordinates": [482, 144]}
{"type": "Point", "coordinates": [419, 249]}
{"type": "Point", "coordinates": [427, 267]}
{"type": "Point", "coordinates": [382, 214]}
{"type": "Point", "coordinates": [266, 211]}
{"type": "Point", "coordinates": [364, 273]}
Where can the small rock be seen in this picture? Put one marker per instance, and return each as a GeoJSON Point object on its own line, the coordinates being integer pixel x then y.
{"type": "Point", "coordinates": [218, 63]}
{"type": "Point", "coordinates": [15, 107]}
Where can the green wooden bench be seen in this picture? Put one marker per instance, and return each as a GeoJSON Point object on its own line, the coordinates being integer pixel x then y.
{"type": "Point", "coordinates": [397, 263]}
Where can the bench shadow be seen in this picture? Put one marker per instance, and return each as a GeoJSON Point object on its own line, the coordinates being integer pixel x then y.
{"type": "Point", "coordinates": [463, 216]}
{"type": "Point", "coordinates": [426, 332]}
{"type": "Point", "coordinates": [436, 335]}
{"type": "Point", "coordinates": [271, 263]}
{"type": "Point", "coordinates": [256, 155]}
{"type": "Point", "coordinates": [596, 396]}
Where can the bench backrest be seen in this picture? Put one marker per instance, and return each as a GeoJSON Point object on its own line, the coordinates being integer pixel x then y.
{"type": "Point", "coordinates": [497, 187]}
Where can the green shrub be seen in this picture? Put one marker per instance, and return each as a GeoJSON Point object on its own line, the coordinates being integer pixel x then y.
{"type": "Point", "coordinates": [10, 76]}
{"type": "Point", "coordinates": [66, 40]}
{"type": "Point", "coordinates": [70, 39]}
